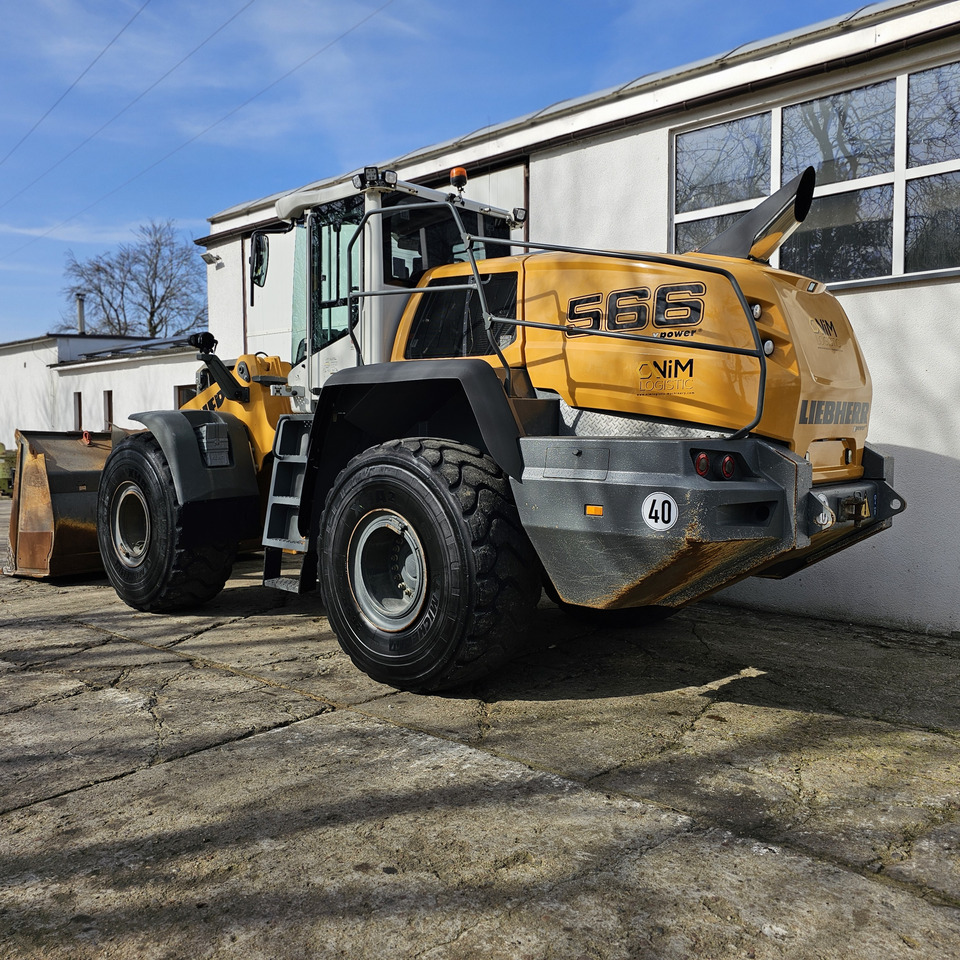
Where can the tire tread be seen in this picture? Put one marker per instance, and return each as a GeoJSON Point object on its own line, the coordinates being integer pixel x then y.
{"type": "Point", "coordinates": [507, 569]}
{"type": "Point", "coordinates": [194, 575]}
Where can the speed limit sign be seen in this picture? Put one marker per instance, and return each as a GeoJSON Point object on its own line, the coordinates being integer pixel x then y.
{"type": "Point", "coordinates": [660, 511]}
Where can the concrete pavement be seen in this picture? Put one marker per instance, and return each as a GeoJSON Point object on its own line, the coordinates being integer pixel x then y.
{"type": "Point", "coordinates": [226, 784]}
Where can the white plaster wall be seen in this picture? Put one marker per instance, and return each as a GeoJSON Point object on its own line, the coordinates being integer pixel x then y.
{"type": "Point", "coordinates": [228, 292]}
{"type": "Point", "coordinates": [27, 392]}
{"type": "Point", "coordinates": [268, 320]}
{"type": "Point", "coordinates": [225, 303]}
{"type": "Point", "coordinates": [138, 384]}
{"type": "Point", "coordinates": [608, 193]}
{"type": "Point", "coordinates": [504, 188]}
{"type": "Point", "coordinates": [909, 575]}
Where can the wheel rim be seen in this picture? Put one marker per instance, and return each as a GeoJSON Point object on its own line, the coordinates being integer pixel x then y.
{"type": "Point", "coordinates": [131, 525]}
{"type": "Point", "coordinates": [387, 570]}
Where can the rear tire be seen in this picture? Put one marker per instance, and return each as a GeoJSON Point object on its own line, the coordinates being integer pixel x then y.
{"type": "Point", "coordinates": [141, 535]}
{"type": "Point", "coordinates": [428, 578]}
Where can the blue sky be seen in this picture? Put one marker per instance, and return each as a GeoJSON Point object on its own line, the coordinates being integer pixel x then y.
{"type": "Point", "coordinates": [168, 109]}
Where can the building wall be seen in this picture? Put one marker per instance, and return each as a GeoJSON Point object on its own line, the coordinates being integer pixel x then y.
{"type": "Point", "coordinates": [268, 319]}
{"type": "Point", "coordinates": [608, 192]}
{"type": "Point", "coordinates": [242, 327]}
{"type": "Point", "coordinates": [29, 395]}
{"type": "Point", "coordinates": [137, 384]}
{"type": "Point", "coordinates": [38, 391]}
{"type": "Point", "coordinates": [226, 284]}
{"type": "Point", "coordinates": [910, 575]}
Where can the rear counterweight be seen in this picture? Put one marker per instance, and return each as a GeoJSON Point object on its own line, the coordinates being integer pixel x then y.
{"type": "Point", "coordinates": [634, 522]}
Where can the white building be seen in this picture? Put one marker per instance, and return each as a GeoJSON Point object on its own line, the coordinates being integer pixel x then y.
{"type": "Point", "coordinates": [64, 381]}
{"type": "Point", "coordinates": [872, 100]}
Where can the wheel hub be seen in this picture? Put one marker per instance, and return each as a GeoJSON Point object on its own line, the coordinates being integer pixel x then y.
{"type": "Point", "coordinates": [387, 569]}
{"type": "Point", "coordinates": [130, 529]}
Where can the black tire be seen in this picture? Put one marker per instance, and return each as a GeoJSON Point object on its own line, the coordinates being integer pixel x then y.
{"type": "Point", "coordinates": [141, 535]}
{"type": "Point", "coordinates": [428, 578]}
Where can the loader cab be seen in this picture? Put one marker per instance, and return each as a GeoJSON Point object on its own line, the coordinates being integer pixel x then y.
{"type": "Point", "coordinates": [356, 258]}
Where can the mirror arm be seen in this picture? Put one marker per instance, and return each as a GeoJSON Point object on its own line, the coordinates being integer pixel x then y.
{"type": "Point", "coordinates": [232, 389]}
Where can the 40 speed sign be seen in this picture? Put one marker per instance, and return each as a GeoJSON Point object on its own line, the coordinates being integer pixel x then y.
{"type": "Point", "coordinates": [659, 511]}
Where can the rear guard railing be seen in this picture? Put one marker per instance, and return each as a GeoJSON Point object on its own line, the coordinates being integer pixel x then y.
{"type": "Point", "coordinates": [354, 297]}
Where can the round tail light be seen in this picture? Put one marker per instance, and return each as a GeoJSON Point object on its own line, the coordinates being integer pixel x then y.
{"type": "Point", "coordinates": [701, 463]}
{"type": "Point", "coordinates": [728, 467]}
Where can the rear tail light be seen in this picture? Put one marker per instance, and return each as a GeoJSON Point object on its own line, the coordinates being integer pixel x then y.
{"type": "Point", "coordinates": [716, 465]}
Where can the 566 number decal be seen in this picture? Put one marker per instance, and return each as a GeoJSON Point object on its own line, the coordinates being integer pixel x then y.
{"type": "Point", "coordinates": [660, 511]}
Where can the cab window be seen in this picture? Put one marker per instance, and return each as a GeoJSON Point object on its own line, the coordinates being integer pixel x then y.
{"type": "Point", "coordinates": [334, 226]}
{"type": "Point", "coordinates": [449, 323]}
{"type": "Point", "coordinates": [416, 240]}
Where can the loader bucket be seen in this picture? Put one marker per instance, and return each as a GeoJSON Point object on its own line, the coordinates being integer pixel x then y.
{"type": "Point", "coordinates": [53, 523]}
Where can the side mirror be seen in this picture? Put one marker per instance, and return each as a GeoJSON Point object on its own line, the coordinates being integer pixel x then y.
{"type": "Point", "coordinates": [259, 260]}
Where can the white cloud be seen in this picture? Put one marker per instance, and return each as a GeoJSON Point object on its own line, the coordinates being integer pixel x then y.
{"type": "Point", "coordinates": [91, 233]}
{"type": "Point", "coordinates": [18, 269]}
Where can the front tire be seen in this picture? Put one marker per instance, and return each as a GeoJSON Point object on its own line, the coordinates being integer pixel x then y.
{"type": "Point", "coordinates": [428, 578]}
{"type": "Point", "coordinates": [141, 535]}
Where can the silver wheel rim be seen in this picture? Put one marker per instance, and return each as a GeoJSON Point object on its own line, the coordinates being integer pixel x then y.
{"type": "Point", "coordinates": [131, 525]}
{"type": "Point", "coordinates": [387, 570]}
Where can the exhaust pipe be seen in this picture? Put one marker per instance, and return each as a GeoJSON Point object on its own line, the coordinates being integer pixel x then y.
{"type": "Point", "coordinates": [758, 234]}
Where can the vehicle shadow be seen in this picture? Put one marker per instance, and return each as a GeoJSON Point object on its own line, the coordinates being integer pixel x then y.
{"type": "Point", "coordinates": [728, 654]}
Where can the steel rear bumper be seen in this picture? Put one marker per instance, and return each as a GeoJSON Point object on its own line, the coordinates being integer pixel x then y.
{"type": "Point", "coordinates": [629, 522]}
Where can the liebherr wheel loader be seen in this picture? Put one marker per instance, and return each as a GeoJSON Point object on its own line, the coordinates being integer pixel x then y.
{"type": "Point", "coordinates": [472, 418]}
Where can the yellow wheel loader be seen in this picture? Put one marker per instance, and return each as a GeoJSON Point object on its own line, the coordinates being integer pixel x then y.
{"type": "Point", "coordinates": [471, 418]}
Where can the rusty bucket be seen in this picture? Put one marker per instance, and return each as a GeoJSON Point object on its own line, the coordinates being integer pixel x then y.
{"type": "Point", "coordinates": [53, 523]}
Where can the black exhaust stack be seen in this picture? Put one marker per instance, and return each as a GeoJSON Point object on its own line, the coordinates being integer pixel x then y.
{"type": "Point", "coordinates": [758, 234]}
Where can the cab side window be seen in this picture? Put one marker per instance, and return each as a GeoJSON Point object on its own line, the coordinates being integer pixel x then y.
{"type": "Point", "coordinates": [449, 323]}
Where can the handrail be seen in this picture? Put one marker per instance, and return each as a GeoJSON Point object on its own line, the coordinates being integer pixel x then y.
{"type": "Point", "coordinates": [757, 353]}
{"type": "Point", "coordinates": [470, 240]}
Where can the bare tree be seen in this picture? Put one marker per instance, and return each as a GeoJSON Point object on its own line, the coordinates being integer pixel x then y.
{"type": "Point", "coordinates": [153, 287]}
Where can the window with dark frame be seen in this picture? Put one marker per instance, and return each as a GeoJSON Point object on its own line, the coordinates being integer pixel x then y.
{"type": "Point", "coordinates": [887, 156]}
{"type": "Point", "coordinates": [183, 394]}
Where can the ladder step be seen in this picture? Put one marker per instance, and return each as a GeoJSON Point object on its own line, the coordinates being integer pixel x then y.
{"type": "Point", "coordinates": [290, 584]}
